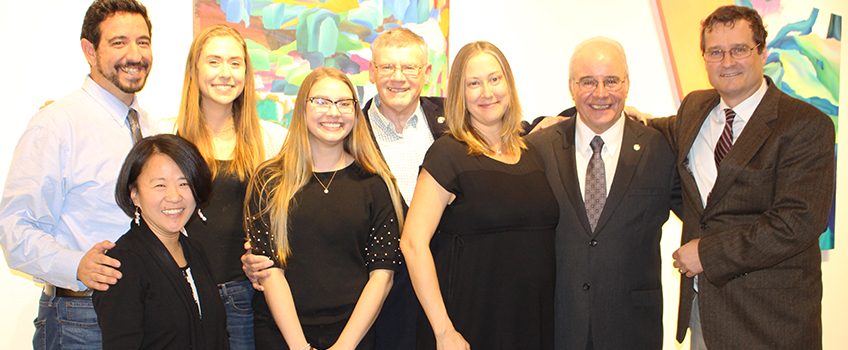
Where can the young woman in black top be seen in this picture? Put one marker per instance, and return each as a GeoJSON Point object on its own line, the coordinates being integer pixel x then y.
{"type": "Point", "coordinates": [327, 211]}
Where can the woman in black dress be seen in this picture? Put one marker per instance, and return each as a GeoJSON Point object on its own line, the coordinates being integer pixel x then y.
{"type": "Point", "coordinates": [166, 298]}
{"type": "Point", "coordinates": [326, 211]}
{"type": "Point", "coordinates": [483, 200]}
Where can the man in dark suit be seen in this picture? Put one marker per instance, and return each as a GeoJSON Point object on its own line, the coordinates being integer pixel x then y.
{"type": "Point", "coordinates": [608, 285]}
{"type": "Point", "coordinates": [757, 171]}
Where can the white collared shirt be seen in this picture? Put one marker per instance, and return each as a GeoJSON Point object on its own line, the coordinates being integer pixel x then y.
{"type": "Point", "coordinates": [609, 153]}
{"type": "Point", "coordinates": [702, 154]}
{"type": "Point", "coordinates": [404, 152]}
{"type": "Point", "coordinates": [59, 198]}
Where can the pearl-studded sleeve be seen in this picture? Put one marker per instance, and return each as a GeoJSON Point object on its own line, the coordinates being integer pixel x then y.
{"type": "Point", "coordinates": [259, 230]}
{"type": "Point", "coordinates": [382, 250]}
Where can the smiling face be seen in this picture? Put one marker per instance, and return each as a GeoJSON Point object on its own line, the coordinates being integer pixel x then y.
{"type": "Point", "coordinates": [734, 79]}
{"type": "Point", "coordinates": [164, 195]}
{"type": "Point", "coordinates": [328, 127]}
{"type": "Point", "coordinates": [220, 72]}
{"type": "Point", "coordinates": [601, 108]}
{"type": "Point", "coordinates": [399, 93]}
{"type": "Point", "coordinates": [122, 60]}
{"type": "Point", "coordinates": [486, 92]}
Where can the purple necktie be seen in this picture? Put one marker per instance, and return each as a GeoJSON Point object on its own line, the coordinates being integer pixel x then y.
{"type": "Point", "coordinates": [596, 184]}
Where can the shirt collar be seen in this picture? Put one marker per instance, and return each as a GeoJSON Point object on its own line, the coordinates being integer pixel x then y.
{"type": "Point", "coordinates": [612, 137]}
{"type": "Point", "coordinates": [380, 120]}
{"type": "Point", "coordinates": [744, 110]}
{"type": "Point", "coordinates": [116, 108]}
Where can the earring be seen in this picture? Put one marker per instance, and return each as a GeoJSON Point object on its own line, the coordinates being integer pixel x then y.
{"type": "Point", "coordinates": [137, 217]}
{"type": "Point", "coordinates": [200, 214]}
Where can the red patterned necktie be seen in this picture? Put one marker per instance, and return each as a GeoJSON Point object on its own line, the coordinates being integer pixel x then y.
{"type": "Point", "coordinates": [726, 139]}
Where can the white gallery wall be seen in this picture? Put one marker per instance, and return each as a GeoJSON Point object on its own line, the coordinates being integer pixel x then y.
{"type": "Point", "coordinates": [41, 60]}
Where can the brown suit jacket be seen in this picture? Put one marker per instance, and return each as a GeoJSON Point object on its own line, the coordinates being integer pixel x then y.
{"type": "Point", "coordinates": [761, 287]}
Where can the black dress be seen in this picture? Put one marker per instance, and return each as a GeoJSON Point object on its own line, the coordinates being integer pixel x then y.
{"type": "Point", "coordinates": [336, 240]}
{"type": "Point", "coordinates": [222, 235]}
{"type": "Point", "coordinates": [494, 248]}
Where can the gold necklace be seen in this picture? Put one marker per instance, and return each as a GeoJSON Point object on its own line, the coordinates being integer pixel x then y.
{"type": "Point", "coordinates": [326, 188]}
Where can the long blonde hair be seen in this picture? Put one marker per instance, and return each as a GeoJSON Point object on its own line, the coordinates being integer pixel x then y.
{"type": "Point", "coordinates": [277, 181]}
{"type": "Point", "coordinates": [249, 149]}
{"type": "Point", "coordinates": [456, 109]}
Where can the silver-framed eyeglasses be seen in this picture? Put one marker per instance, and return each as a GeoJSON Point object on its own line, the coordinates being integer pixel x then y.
{"type": "Point", "coordinates": [737, 52]}
{"type": "Point", "coordinates": [407, 69]}
{"type": "Point", "coordinates": [323, 105]}
{"type": "Point", "coordinates": [589, 84]}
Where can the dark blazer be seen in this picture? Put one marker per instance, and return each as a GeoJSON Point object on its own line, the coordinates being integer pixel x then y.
{"type": "Point", "coordinates": [396, 324]}
{"type": "Point", "coordinates": [151, 306]}
{"type": "Point", "coordinates": [761, 287]}
{"type": "Point", "coordinates": [609, 280]}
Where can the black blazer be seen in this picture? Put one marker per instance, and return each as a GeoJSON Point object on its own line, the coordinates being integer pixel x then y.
{"type": "Point", "coordinates": [609, 280]}
{"type": "Point", "coordinates": [762, 285]}
{"type": "Point", "coordinates": [151, 306]}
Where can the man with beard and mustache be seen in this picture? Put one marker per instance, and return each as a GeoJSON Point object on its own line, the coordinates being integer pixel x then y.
{"type": "Point", "coordinates": [58, 213]}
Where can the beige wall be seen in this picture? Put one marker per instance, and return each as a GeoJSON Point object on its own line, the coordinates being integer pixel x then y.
{"type": "Point", "coordinates": [41, 60]}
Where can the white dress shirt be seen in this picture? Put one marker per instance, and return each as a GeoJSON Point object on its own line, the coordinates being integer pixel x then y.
{"type": "Point", "coordinates": [702, 155]}
{"type": "Point", "coordinates": [59, 198]}
{"type": "Point", "coordinates": [404, 152]}
{"type": "Point", "coordinates": [609, 153]}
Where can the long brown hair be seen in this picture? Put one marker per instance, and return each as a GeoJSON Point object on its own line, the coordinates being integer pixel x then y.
{"type": "Point", "coordinates": [456, 109]}
{"type": "Point", "coordinates": [249, 150]}
{"type": "Point", "coordinates": [280, 178]}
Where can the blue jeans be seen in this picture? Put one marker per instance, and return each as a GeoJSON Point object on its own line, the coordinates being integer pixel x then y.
{"type": "Point", "coordinates": [237, 297]}
{"type": "Point", "coordinates": [66, 324]}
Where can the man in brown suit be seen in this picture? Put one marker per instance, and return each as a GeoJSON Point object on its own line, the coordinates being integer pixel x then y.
{"type": "Point", "coordinates": [756, 195]}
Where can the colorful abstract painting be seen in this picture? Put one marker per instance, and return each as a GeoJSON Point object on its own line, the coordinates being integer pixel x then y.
{"type": "Point", "coordinates": [287, 39]}
{"type": "Point", "coordinates": [803, 59]}
{"type": "Point", "coordinates": [804, 46]}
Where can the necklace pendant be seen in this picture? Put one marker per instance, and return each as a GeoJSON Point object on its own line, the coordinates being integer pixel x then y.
{"type": "Point", "coordinates": [326, 191]}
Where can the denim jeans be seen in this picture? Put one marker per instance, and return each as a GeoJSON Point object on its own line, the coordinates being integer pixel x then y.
{"type": "Point", "coordinates": [237, 297]}
{"type": "Point", "coordinates": [66, 324]}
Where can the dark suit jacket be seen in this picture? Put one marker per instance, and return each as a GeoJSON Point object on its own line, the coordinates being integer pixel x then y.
{"type": "Point", "coordinates": [761, 287]}
{"type": "Point", "coordinates": [396, 324]}
{"type": "Point", "coordinates": [151, 306]}
{"type": "Point", "coordinates": [609, 279]}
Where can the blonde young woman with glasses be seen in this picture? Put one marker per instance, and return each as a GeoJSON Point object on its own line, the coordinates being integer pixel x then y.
{"type": "Point", "coordinates": [328, 213]}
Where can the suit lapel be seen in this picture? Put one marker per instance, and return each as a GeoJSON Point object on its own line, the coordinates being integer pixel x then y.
{"type": "Point", "coordinates": [690, 127]}
{"type": "Point", "coordinates": [567, 168]}
{"type": "Point", "coordinates": [628, 160]}
{"type": "Point", "coordinates": [752, 138]}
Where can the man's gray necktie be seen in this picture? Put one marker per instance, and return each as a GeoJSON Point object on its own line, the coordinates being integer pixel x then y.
{"type": "Point", "coordinates": [596, 184]}
{"type": "Point", "coordinates": [132, 117]}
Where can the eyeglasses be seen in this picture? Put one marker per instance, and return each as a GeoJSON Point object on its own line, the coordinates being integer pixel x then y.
{"type": "Point", "coordinates": [611, 84]}
{"type": "Point", "coordinates": [408, 70]}
{"type": "Point", "coordinates": [739, 52]}
{"type": "Point", "coordinates": [323, 105]}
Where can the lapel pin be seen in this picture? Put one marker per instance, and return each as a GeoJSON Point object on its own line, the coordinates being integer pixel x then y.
{"type": "Point", "coordinates": [636, 147]}
{"type": "Point", "coordinates": [440, 120]}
